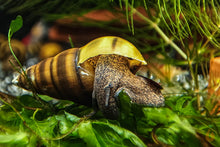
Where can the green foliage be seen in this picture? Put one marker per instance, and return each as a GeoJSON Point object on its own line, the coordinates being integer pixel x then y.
{"type": "Point", "coordinates": [60, 128]}
{"type": "Point", "coordinates": [16, 139]}
{"type": "Point", "coordinates": [175, 21]}
{"type": "Point", "coordinates": [177, 124]}
{"type": "Point", "coordinates": [173, 127]}
{"type": "Point", "coordinates": [51, 10]}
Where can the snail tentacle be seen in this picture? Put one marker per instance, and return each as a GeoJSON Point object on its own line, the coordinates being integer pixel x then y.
{"type": "Point", "coordinates": [94, 101]}
{"type": "Point", "coordinates": [107, 93]}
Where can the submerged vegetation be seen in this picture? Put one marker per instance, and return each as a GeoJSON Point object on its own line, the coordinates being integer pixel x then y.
{"type": "Point", "coordinates": [181, 35]}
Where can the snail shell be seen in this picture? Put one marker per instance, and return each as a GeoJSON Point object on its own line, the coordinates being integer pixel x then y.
{"type": "Point", "coordinates": [70, 74]}
{"type": "Point", "coordinates": [61, 78]}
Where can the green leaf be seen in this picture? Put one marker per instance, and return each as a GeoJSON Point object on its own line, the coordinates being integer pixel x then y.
{"type": "Point", "coordinates": [124, 105]}
{"type": "Point", "coordinates": [44, 128]}
{"type": "Point", "coordinates": [179, 130]}
{"type": "Point", "coordinates": [18, 139]}
{"type": "Point", "coordinates": [87, 133]}
{"type": "Point", "coordinates": [184, 105]}
{"type": "Point", "coordinates": [15, 25]}
{"type": "Point", "coordinates": [30, 101]}
{"type": "Point", "coordinates": [97, 133]}
{"type": "Point", "coordinates": [66, 121]}
{"type": "Point", "coordinates": [45, 97]}
{"type": "Point", "coordinates": [129, 112]}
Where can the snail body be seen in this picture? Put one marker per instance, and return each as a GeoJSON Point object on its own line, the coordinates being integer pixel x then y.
{"type": "Point", "coordinates": [94, 73]}
{"type": "Point", "coordinates": [113, 76]}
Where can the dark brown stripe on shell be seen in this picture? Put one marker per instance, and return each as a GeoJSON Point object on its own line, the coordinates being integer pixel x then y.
{"type": "Point", "coordinates": [42, 71]}
{"type": "Point", "coordinates": [52, 77]}
{"type": "Point", "coordinates": [36, 79]}
{"type": "Point", "coordinates": [43, 81]}
{"type": "Point", "coordinates": [114, 43]}
{"type": "Point", "coordinates": [61, 73]}
{"type": "Point", "coordinates": [28, 72]}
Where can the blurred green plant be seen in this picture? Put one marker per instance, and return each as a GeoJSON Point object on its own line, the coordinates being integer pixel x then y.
{"type": "Point", "coordinates": [191, 28]}
{"type": "Point", "coordinates": [28, 123]}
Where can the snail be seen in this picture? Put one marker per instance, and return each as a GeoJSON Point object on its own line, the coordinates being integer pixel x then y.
{"type": "Point", "coordinates": [94, 75]}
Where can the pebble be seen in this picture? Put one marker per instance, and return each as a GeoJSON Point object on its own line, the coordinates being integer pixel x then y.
{"type": "Point", "coordinates": [6, 78]}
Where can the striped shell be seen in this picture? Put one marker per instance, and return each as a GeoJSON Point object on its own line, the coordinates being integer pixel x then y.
{"type": "Point", "coordinates": [70, 74]}
{"type": "Point", "coordinates": [61, 78]}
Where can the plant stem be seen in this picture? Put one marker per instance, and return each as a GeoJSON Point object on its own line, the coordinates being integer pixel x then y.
{"type": "Point", "coordinates": [209, 38]}
{"type": "Point", "coordinates": [161, 33]}
{"type": "Point", "coordinates": [9, 43]}
{"type": "Point", "coordinates": [71, 41]}
{"type": "Point", "coordinates": [197, 82]}
{"type": "Point", "coordinates": [23, 72]}
{"type": "Point", "coordinates": [74, 127]}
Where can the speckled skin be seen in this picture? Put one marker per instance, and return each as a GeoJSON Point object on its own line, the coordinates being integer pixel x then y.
{"type": "Point", "coordinates": [112, 75]}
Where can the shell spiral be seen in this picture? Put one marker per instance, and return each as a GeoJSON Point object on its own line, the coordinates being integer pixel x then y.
{"type": "Point", "coordinates": [61, 77]}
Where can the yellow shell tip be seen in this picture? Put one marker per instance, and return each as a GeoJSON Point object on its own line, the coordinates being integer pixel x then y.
{"type": "Point", "coordinates": [110, 45]}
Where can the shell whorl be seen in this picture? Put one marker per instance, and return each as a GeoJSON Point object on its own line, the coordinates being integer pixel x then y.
{"type": "Point", "coordinates": [60, 77]}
